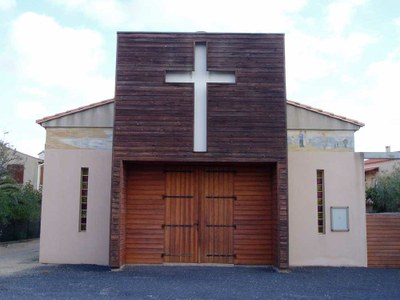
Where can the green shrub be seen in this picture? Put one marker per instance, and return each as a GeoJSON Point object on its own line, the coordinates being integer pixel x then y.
{"type": "Point", "coordinates": [20, 207]}
{"type": "Point", "coordinates": [386, 192]}
{"type": "Point", "coordinates": [8, 188]}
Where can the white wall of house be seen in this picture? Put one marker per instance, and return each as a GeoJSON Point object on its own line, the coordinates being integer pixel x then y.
{"type": "Point", "coordinates": [30, 169]}
{"type": "Point", "coordinates": [60, 239]}
{"type": "Point", "coordinates": [344, 186]}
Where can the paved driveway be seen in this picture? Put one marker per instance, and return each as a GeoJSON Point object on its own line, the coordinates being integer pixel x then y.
{"type": "Point", "coordinates": [18, 256]}
{"type": "Point", "coordinates": [161, 282]}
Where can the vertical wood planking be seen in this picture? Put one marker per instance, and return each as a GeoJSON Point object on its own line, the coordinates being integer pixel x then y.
{"type": "Point", "coordinates": [145, 215]}
{"type": "Point", "coordinates": [383, 240]}
{"type": "Point", "coordinates": [154, 120]}
{"type": "Point", "coordinates": [253, 216]}
{"type": "Point", "coordinates": [217, 224]}
{"type": "Point", "coordinates": [181, 208]}
{"type": "Point", "coordinates": [234, 201]}
{"type": "Point", "coordinates": [280, 204]}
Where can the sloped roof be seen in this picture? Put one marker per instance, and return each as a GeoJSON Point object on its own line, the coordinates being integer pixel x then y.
{"type": "Point", "coordinates": [325, 113]}
{"type": "Point", "coordinates": [375, 161]}
{"type": "Point", "coordinates": [293, 103]}
{"type": "Point", "coordinates": [372, 161]}
{"type": "Point", "coordinates": [73, 111]}
{"type": "Point", "coordinates": [371, 170]}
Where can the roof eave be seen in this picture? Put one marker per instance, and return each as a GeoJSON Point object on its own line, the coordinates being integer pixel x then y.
{"type": "Point", "coordinates": [325, 113]}
{"type": "Point", "coordinates": [73, 111]}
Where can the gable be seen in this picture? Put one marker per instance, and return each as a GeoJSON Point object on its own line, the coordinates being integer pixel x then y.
{"type": "Point", "coordinates": [100, 114]}
{"type": "Point", "coordinates": [299, 116]}
{"type": "Point", "coordinates": [304, 117]}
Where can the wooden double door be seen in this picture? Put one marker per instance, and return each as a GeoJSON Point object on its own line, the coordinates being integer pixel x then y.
{"type": "Point", "coordinates": [199, 215]}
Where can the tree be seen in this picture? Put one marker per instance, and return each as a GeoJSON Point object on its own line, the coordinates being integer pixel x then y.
{"type": "Point", "coordinates": [25, 205]}
{"type": "Point", "coordinates": [19, 203]}
{"type": "Point", "coordinates": [8, 155]}
{"type": "Point", "coordinates": [7, 184]}
{"type": "Point", "coordinates": [19, 210]}
{"type": "Point", "coordinates": [386, 192]}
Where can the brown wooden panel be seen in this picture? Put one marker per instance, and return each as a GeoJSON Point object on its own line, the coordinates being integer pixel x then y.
{"type": "Point", "coordinates": [145, 212]}
{"type": "Point", "coordinates": [253, 243]}
{"type": "Point", "coordinates": [181, 215]}
{"type": "Point", "coordinates": [160, 199]}
{"type": "Point", "coordinates": [154, 119]}
{"type": "Point", "coordinates": [383, 240]}
{"type": "Point", "coordinates": [217, 215]}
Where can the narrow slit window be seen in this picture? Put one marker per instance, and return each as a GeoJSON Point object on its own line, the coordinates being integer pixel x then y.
{"type": "Point", "coordinates": [321, 201]}
{"type": "Point", "coordinates": [83, 199]}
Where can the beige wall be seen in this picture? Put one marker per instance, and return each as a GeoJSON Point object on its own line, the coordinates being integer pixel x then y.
{"type": "Point", "coordinates": [344, 186]}
{"type": "Point", "coordinates": [31, 170]}
{"type": "Point", "coordinates": [60, 240]}
{"type": "Point", "coordinates": [79, 138]}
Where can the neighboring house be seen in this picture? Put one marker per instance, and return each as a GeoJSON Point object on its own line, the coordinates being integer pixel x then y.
{"type": "Point", "coordinates": [377, 166]}
{"type": "Point", "coordinates": [24, 168]}
{"type": "Point", "coordinates": [249, 178]}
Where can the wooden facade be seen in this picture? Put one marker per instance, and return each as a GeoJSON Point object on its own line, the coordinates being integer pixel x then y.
{"type": "Point", "coordinates": [199, 214]}
{"type": "Point", "coordinates": [383, 240]}
{"type": "Point", "coordinates": [246, 124]}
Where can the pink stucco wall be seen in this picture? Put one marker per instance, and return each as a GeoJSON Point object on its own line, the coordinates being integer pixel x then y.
{"type": "Point", "coordinates": [61, 241]}
{"type": "Point", "coordinates": [344, 186]}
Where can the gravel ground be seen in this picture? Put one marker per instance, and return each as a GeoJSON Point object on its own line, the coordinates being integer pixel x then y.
{"type": "Point", "coordinates": [170, 282]}
{"type": "Point", "coordinates": [18, 256]}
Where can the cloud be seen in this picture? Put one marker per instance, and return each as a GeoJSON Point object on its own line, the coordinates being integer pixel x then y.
{"type": "Point", "coordinates": [7, 4]}
{"type": "Point", "coordinates": [384, 77]}
{"type": "Point", "coordinates": [34, 91]}
{"type": "Point", "coordinates": [208, 15]}
{"type": "Point", "coordinates": [396, 23]}
{"type": "Point", "coordinates": [340, 14]}
{"type": "Point", "coordinates": [107, 12]}
{"type": "Point", "coordinates": [304, 56]}
{"type": "Point", "coordinates": [377, 99]}
{"type": "Point", "coordinates": [311, 57]}
{"type": "Point", "coordinates": [51, 55]}
{"type": "Point", "coordinates": [349, 47]}
{"type": "Point", "coordinates": [248, 16]}
{"type": "Point", "coordinates": [30, 110]}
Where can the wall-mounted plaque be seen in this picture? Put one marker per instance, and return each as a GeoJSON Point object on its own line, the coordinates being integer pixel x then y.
{"type": "Point", "coordinates": [340, 219]}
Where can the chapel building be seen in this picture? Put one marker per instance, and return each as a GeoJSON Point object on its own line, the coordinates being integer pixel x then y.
{"type": "Point", "coordinates": [200, 159]}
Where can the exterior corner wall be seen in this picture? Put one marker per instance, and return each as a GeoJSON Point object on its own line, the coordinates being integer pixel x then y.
{"type": "Point", "coordinates": [344, 186]}
{"type": "Point", "coordinates": [60, 240]}
{"type": "Point", "coordinates": [31, 170]}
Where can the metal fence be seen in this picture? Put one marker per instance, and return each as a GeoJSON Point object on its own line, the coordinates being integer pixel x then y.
{"type": "Point", "coordinates": [19, 230]}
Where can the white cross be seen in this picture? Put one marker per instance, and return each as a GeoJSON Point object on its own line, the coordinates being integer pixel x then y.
{"type": "Point", "coordinates": [200, 77]}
